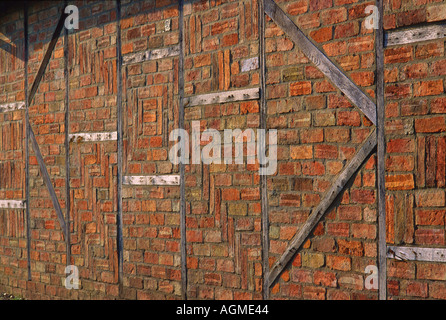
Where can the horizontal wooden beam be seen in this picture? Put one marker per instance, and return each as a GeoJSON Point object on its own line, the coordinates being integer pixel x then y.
{"type": "Point", "coordinates": [153, 54]}
{"type": "Point", "coordinates": [222, 97]}
{"type": "Point", "coordinates": [8, 107]}
{"type": "Point", "coordinates": [424, 33]}
{"type": "Point", "coordinates": [322, 62]}
{"type": "Point", "coordinates": [93, 136]}
{"type": "Point", "coordinates": [152, 180]}
{"type": "Point", "coordinates": [416, 254]}
{"type": "Point", "coordinates": [335, 190]}
{"type": "Point", "coordinates": [12, 204]}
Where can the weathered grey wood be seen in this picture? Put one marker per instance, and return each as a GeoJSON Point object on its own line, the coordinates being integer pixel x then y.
{"type": "Point", "coordinates": [260, 62]}
{"type": "Point", "coordinates": [8, 107]}
{"type": "Point", "coordinates": [35, 86]}
{"type": "Point", "coordinates": [153, 54]}
{"type": "Point", "coordinates": [12, 204]}
{"type": "Point", "coordinates": [119, 220]}
{"type": "Point", "coordinates": [222, 97]}
{"type": "Point", "coordinates": [416, 254]}
{"type": "Point", "coordinates": [381, 154]}
{"type": "Point", "coordinates": [162, 180]}
{"type": "Point", "coordinates": [28, 217]}
{"type": "Point", "coordinates": [335, 190]}
{"type": "Point", "coordinates": [322, 62]}
{"type": "Point", "coordinates": [183, 241]}
{"type": "Point", "coordinates": [424, 33]}
{"type": "Point", "coordinates": [47, 180]}
{"type": "Point", "coordinates": [93, 136]}
{"type": "Point", "coordinates": [67, 144]}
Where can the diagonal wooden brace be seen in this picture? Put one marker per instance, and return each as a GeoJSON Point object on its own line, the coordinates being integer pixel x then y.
{"type": "Point", "coordinates": [34, 143]}
{"type": "Point", "coordinates": [323, 63]}
{"type": "Point", "coordinates": [335, 190]}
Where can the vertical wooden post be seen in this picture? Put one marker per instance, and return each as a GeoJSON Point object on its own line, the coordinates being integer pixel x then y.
{"type": "Point", "coordinates": [120, 244]}
{"type": "Point", "coordinates": [28, 233]}
{"type": "Point", "coordinates": [182, 165]}
{"type": "Point", "coordinates": [381, 141]}
{"type": "Point", "coordinates": [263, 178]}
{"type": "Point", "coordinates": [67, 144]}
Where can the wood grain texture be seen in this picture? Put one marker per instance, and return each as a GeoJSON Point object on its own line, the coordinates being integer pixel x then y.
{"type": "Point", "coordinates": [164, 180]}
{"type": "Point", "coordinates": [153, 54]}
{"type": "Point", "coordinates": [322, 62]}
{"type": "Point", "coordinates": [93, 136]}
{"type": "Point", "coordinates": [335, 190]}
{"type": "Point", "coordinates": [416, 254]}
{"type": "Point", "coordinates": [425, 33]}
{"type": "Point", "coordinates": [381, 154]}
{"type": "Point", "coordinates": [8, 107]}
{"type": "Point", "coordinates": [12, 204]}
{"type": "Point", "coordinates": [222, 97]}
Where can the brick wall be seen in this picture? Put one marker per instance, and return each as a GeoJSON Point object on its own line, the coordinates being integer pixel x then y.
{"type": "Point", "coordinates": [319, 131]}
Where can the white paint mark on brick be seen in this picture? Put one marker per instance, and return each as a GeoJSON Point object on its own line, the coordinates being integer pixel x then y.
{"type": "Point", "coordinates": [250, 64]}
{"type": "Point", "coordinates": [152, 180]}
{"type": "Point", "coordinates": [94, 136]}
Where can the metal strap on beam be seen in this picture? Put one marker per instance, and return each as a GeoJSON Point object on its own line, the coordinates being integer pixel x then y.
{"type": "Point", "coordinates": [322, 62]}
{"type": "Point", "coordinates": [335, 191]}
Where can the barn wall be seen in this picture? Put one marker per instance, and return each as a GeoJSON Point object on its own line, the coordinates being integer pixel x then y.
{"type": "Point", "coordinates": [319, 131]}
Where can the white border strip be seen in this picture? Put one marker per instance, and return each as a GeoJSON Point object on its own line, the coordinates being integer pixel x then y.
{"type": "Point", "coordinates": [94, 136]}
{"type": "Point", "coordinates": [223, 97]}
{"type": "Point", "coordinates": [12, 204]}
{"type": "Point", "coordinates": [153, 54]}
{"type": "Point", "coordinates": [426, 33]}
{"type": "Point", "coordinates": [152, 180]}
{"type": "Point", "coordinates": [12, 106]}
{"type": "Point", "coordinates": [416, 254]}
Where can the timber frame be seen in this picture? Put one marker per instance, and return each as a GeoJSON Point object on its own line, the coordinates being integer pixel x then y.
{"type": "Point", "coordinates": [375, 142]}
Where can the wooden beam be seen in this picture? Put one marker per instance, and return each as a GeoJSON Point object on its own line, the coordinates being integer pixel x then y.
{"type": "Point", "coordinates": [261, 62]}
{"type": "Point", "coordinates": [67, 143]}
{"type": "Point", "coordinates": [119, 220]}
{"type": "Point", "coordinates": [416, 254]}
{"type": "Point", "coordinates": [27, 213]}
{"type": "Point", "coordinates": [222, 97]}
{"type": "Point", "coordinates": [322, 62]}
{"type": "Point", "coordinates": [153, 54]}
{"type": "Point", "coordinates": [35, 86]}
{"type": "Point", "coordinates": [47, 180]}
{"type": "Point", "coordinates": [164, 180]}
{"type": "Point", "coordinates": [12, 204]}
{"type": "Point", "coordinates": [424, 33]}
{"type": "Point", "coordinates": [335, 191]}
{"type": "Point", "coordinates": [93, 136]}
{"type": "Point", "coordinates": [183, 241]}
{"type": "Point", "coordinates": [8, 107]}
{"type": "Point", "coordinates": [381, 166]}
